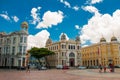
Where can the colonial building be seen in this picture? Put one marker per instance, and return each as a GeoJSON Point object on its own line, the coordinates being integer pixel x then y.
{"type": "Point", "coordinates": [13, 47]}
{"type": "Point", "coordinates": [102, 53]}
{"type": "Point", "coordinates": [67, 52]}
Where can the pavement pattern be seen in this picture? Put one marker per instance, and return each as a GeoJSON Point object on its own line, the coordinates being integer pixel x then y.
{"type": "Point", "coordinates": [54, 74]}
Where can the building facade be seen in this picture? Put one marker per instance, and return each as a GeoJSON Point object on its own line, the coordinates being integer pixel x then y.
{"type": "Point", "coordinates": [102, 53]}
{"type": "Point", "coordinates": [13, 47]}
{"type": "Point", "coordinates": [67, 52]}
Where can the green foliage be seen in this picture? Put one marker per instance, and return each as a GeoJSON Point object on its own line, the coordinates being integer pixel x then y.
{"type": "Point", "coordinates": [40, 52]}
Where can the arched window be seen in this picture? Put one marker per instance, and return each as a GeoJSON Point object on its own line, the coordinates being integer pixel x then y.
{"type": "Point", "coordinates": [71, 54]}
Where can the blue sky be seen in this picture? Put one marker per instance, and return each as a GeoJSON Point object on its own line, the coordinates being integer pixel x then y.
{"type": "Point", "coordinates": [90, 19]}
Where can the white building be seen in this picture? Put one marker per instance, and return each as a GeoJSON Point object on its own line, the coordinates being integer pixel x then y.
{"type": "Point", "coordinates": [13, 47]}
{"type": "Point", "coordinates": [67, 52]}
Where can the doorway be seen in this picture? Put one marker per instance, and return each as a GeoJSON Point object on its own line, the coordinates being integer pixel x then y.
{"type": "Point", "coordinates": [71, 59]}
{"type": "Point", "coordinates": [72, 62]}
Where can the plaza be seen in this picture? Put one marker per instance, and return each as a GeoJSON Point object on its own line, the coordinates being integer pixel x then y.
{"type": "Point", "coordinates": [54, 74]}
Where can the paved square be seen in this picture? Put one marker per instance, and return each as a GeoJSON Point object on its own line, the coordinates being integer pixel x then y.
{"type": "Point", "coordinates": [55, 74]}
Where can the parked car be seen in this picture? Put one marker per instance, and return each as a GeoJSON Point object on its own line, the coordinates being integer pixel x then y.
{"type": "Point", "coordinates": [65, 67]}
{"type": "Point", "coordinates": [42, 68]}
{"type": "Point", "coordinates": [117, 66]}
{"type": "Point", "coordinates": [93, 67]}
{"type": "Point", "coordinates": [59, 67]}
{"type": "Point", "coordinates": [81, 67]}
{"type": "Point", "coordinates": [21, 68]}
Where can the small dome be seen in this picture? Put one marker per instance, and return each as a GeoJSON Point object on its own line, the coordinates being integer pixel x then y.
{"type": "Point", "coordinates": [63, 37]}
{"type": "Point", "coordinates": [24, 24]}
{"type": "Point", "coordinates": [113, 38]}
{"type": "Point", "coordinates": [77, 38]}
{"type": "Point", "coordinates": [102, 39]}
{"type": "Point", "coordinates": [49, 41]}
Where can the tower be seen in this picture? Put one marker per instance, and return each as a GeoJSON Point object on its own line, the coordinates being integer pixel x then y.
{"type": "Point", "coordinates": [49, 41]}
{"type": "Point", "coordinates": [113, 39]}
{"type": "Point", "coordinates": [24, 26]}
{"type": "Point", "coordinates": [78, 40]}
{"type": "Point", "coordinates": [63, 37]}
{"type": "Point", "coordinates": [102, 40]}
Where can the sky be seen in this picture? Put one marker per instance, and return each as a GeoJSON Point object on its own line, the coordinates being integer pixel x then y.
{"type": "Point", "coordinates": [89, 19]}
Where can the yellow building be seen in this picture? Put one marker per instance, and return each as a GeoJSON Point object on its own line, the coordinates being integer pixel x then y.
{"type": "Point", "coordinates": [102, 53]}
{"type": "Point", "coordinates": [67, 52]}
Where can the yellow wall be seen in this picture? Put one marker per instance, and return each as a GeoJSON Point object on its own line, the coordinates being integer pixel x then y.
{"type": "Point", "coordinates": [101, 53]}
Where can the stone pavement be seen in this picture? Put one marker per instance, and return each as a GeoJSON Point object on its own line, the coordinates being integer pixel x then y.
{"type": "Point", "coordinates": [94, 73]}
{"type": "Point", "coordinates": [55, 74]}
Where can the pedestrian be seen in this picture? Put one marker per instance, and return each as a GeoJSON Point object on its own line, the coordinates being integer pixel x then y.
{"type": "Point", "coordinates": [104, 68]}
{"type": "Point", "coordinates": [100, 68]}
{"type": "Point", "coordinates": [111, 67]}
{"type": "Point", "coordinates": [28, 68]}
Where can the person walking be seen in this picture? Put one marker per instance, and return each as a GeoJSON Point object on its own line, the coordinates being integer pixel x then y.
{"type": "Point", "coordinates": [100, 68]}
{"type": "Point", "coordinates": [104, 69]}
{"type": "Point", "coordinates": [28, 68]}
{"type": "Point", "coordinates": [111, 67]}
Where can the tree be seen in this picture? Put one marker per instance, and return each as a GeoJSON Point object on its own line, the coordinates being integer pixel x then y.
{"type": "Point", "coordinates": [40, 53]}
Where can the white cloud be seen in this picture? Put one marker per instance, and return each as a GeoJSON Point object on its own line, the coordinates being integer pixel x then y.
{"type": "Point", "coordinates": [77, 27]}
{"type": "Point", "coordinates": [35, 15]}
{"type": "Point", "coordinates": [66, 3]}
{"type": "Point", "coordinates": [76, 8]}
{"type": "Point", "coordinates": [96, 1]}
{"type": "Point", "coordinates": [15, 18]}
{"type": "Point", "coordinates": [5, 16]}
{"type": "Point", "coordinates": [50, 18]}
{"type": "Point", "coordinates": [38, 40]}
{"type": "Point", "coordinates": [9, 18]}
{"type": "Point", "coordinates": [39, 8]}
{"type": "Point", "coordinates": [65, 35]}
{"type": "Point", "coordinates": [103, 24]}
{"type": "Point", "coordinates": [93, 1]}
{"type": "Point", "coordinates": [91, 9]}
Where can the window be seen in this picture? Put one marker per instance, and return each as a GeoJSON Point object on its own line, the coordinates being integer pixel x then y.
{"type": "Point", "coordinates": [7, 50]}
{"type": "Point", "coordinates": [24, 49]}
{"type": "Point", "coordinates": [62, 53]}
{"type": "Point", "coordinates": [0, 50]}
{"type": "Point", "coordinates": [71, 54]}
{"type": "Point", "coordinates": [21, 39]}
{"type": "Point", "coordinates": [0, 40]}
{"type": "Point", "coordinates": [63, 46]}
{"type": "Point", "coordinates": [25, 39]}
{"type": "Point", "coordinates": [57, 47]}
{"type": "Point", "coordinates": [78, 47]}
{"type": "Point", "coordinates": [13, 50]}
{"type": "Point", "coordinates": [14, 40]}
{"type": "Point", "coordinates": [8, 41]}
{"type": "Point", "coordinates": [69, 47]}
{"type": "Point", "coordinates": [12, 62]}
{"type": "Point", "coordinates": [62, 62]}
{"type": "Point", "coordinates": [73, 46]}
{"type": "Point", "coordinates": [20, 49]}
